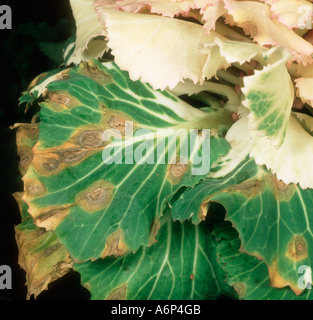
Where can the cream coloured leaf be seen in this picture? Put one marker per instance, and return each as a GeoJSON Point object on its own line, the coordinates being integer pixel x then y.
{"type": "Point", "coordinates": [164, 7]}
{"type": "Point", "coordinates": [237, 51]}
{"type": "Point", "coordinates": [292, 13]}
{"type": "Point", "coordinates": [212, 12]}
{"type": "Point", "coordinates": [222, 52]}
{"type": "Point", "coordinates": [88, 29]}
{"type": "Point", "coordinates": [154, 49]}
{"type": "Point", "coordinates": [256, 20]}
{"type": "Point", "coordinates": [304, 90]}
{"type": "Point", "coordinates": [189, 88]}
{"type": "Point", "coordinates": [291, 160]}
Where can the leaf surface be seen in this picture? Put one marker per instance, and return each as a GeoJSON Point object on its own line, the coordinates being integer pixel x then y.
{"type": "Point", "coordinates": [270, 106]}
{"type": "Point", "coordinates": [274, 220]}
{"type": "Point", "coordinates": [181, 265]}
{"type": "Point", "coordinates": [246, 274]}
{"type": "Point", "coordinates": [100, 188]}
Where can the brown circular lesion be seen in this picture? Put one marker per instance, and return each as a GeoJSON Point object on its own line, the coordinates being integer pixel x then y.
{"type": "Point", "coordinates": [58, 98]}
{"type": "Point", "coordinates": [34, 188]}
{"type": "Point", "coordinates": [26, 157]}
{"type": "Point", "coordinates": [51, 165]}
{"type": "Point", "coordinates": [297, 248]}
{"type": "Point", "coordinates": [92, 70]}
{"type": "Point", "coordinates": [72, 155]}
{"type": "Point", "coordinates": [117, 123]}
{"type": "Point", "coordinates": [98, 196]}
{"type": "Point", "coordinates": [178, 169]}
{"type": "Point", "coordinates": [240, 288]}
{"type": "Point", "coordinates": [300, 246]}
{"type": "Point", "coordinates": [91, 139]}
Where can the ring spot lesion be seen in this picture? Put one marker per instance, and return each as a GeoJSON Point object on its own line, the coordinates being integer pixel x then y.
{"type": "Point", "coordinates": [96, 197]}
{"type": "Point", "coordinates": [34, 188]}
{"type": "Point", "coordinates": [297, 248]}
{"type": "Point", "coordinates": [176, 171]}
{"type": "Point", "coordinates": [91, 139]}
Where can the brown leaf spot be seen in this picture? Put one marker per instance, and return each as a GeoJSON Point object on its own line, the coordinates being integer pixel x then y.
{"type": "Point", "coordinates": [177, 171]}
{"type": "Point", "coordinates": [43, 259]}
{"type": "Point", "coordinates": [29, 130]}
{"type": "Point", "coordinates": [34, 188]}
{"type": "Point", "coordinates": [26, 157]}
{"type": "Point", "coordinates": [40, 232]}
{"type": "Point", "coordinates": [282, 191]}
{"type": "Point", "coordinates": [96, 197]}
{"type": "Point", "coordinates": [240, 288]}
{"type": "Point", "coordinates": [91, 70]}
{"type": "Point", "coordinates": [49, 250]}
{"type": "Point", "coordinates": [248, 188]}
{"type": "Point", "coordinates": [46, 163]}
{"type": "Point", "coordinates": [154, 231]}
{"type": "Point", "coordinates": [117, 123]}
{"type": "Point", "coordinates": [204, 210]}
{"type": "Point", "coordinates": [118, 293]}
{"type": "Point", "coordinates": [72, 155]}
{"type": "Point", "coordinates": [51, 165]}
{"type": "Point", "coordinates": [90, 139]}
{"type": "Point", "coordinates": [51, 218]}
{"type": "Point", "coordinates": [115, 245]}
{"type": "Point", "coordinates": [277, 281]}
{"type": "Point", "coordinates": [281, 186]}
{"type": "Point", "coordinates": [58, 98]}
{"type": "Point", "coordinates": [297, 248]}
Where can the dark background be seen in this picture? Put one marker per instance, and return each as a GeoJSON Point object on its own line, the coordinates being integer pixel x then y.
{"type": "Point", "coordinates": [32, 46]}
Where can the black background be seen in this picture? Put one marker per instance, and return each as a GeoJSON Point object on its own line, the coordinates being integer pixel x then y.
{"type": "Point", "coordinates": [20, 61]}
